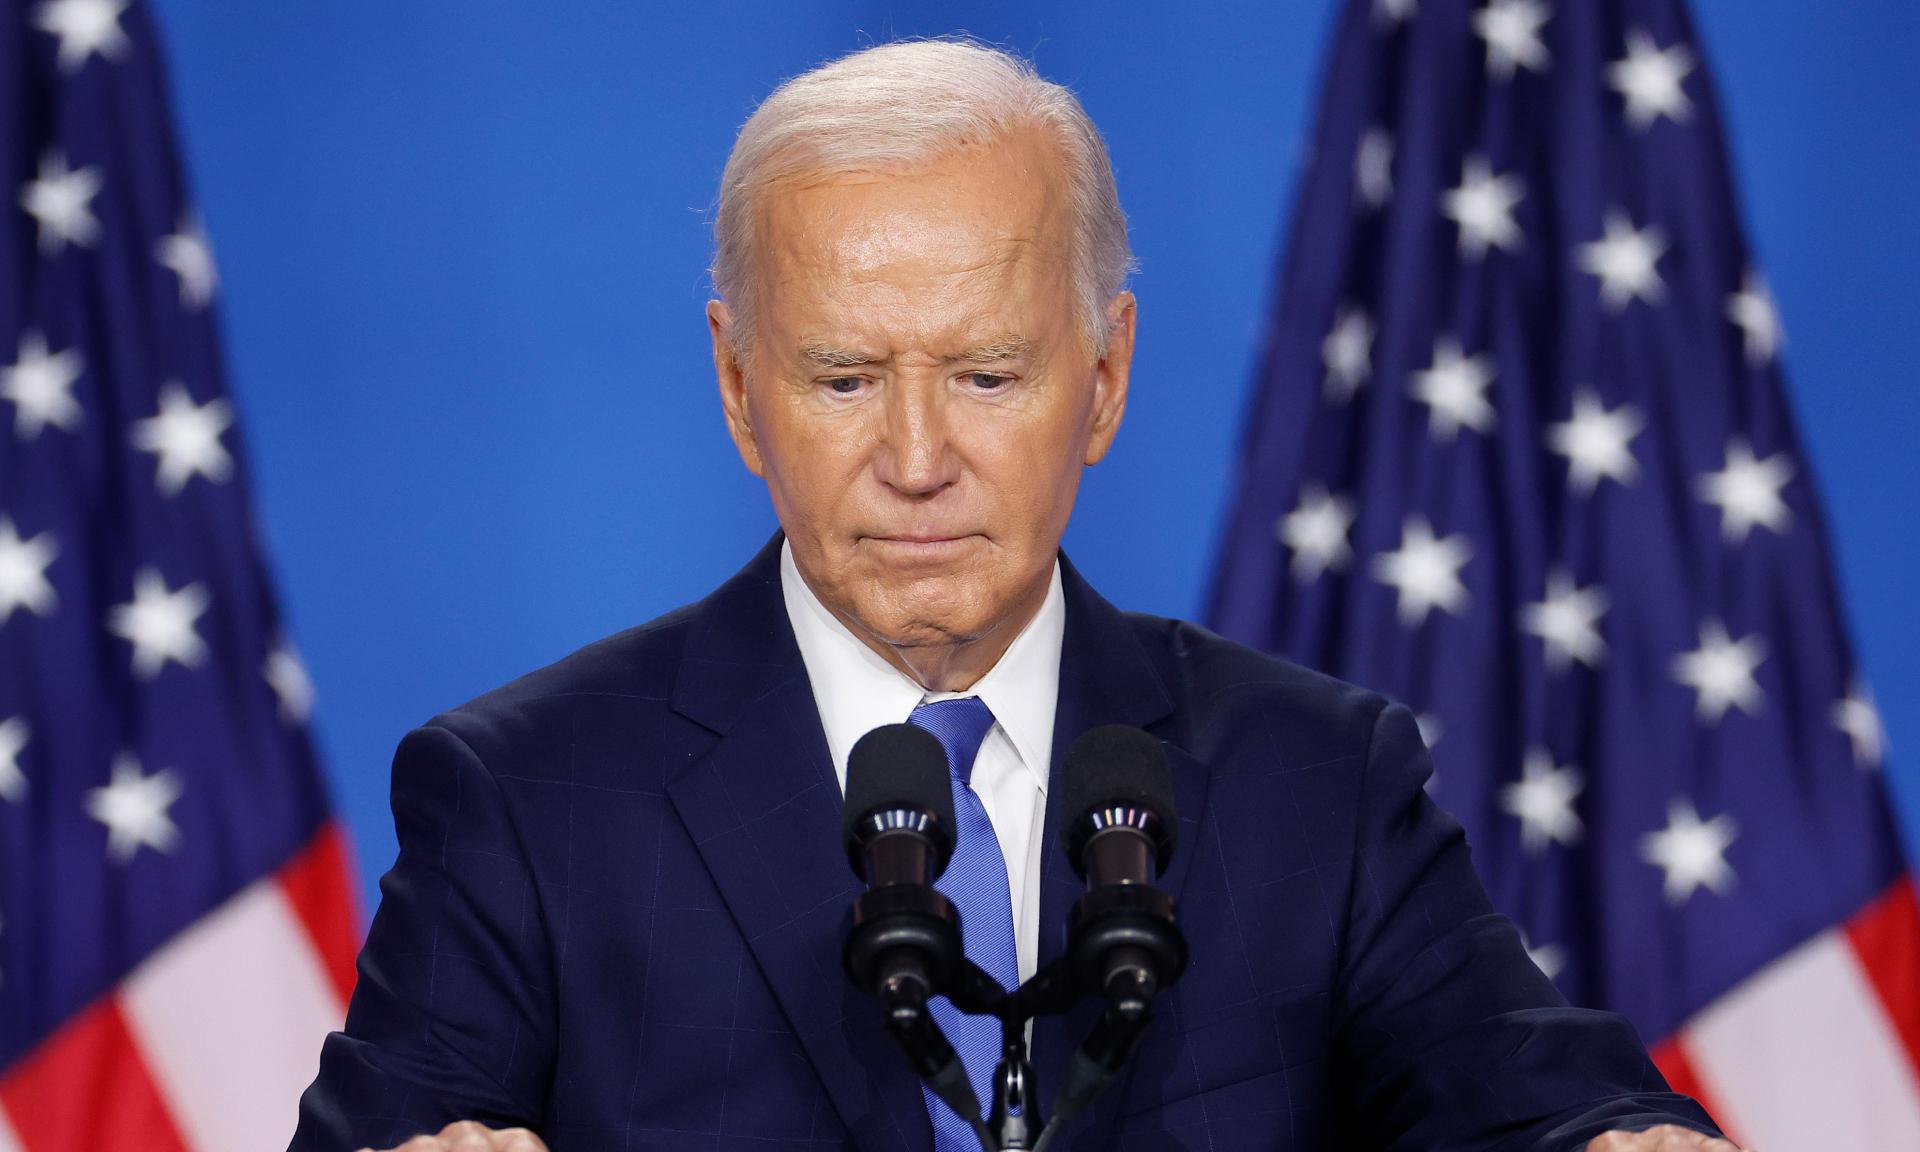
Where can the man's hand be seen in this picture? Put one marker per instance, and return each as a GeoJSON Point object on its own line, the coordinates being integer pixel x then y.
{"type": "Point", "coordinates": [466, 1136]}
{"type": "Point", "coordinates": [1665, 1138]}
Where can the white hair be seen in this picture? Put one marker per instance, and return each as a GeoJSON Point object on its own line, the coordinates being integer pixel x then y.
{"type": "Point", "coordinates": [899, 106]}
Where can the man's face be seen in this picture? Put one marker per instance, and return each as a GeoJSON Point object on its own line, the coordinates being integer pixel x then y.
{"type": "Point", "coordinates": [921, 398]}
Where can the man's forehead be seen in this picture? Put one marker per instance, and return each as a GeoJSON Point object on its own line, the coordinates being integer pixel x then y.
{"type": "Point", "coordinates": [909, 240]}
{"type": "Point", "coordinates": [966, 259]}
{"type": "Point", "coordinates": [981, 203]}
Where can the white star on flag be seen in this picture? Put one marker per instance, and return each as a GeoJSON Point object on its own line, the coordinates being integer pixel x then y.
{"type": "Point", "coordinates": [1859, 718]}
{"type": "Point", "coordinates": [1753, 311]}
{"type": "Point", "coordinates": [84, 28]}
{"type": "Point", "coordinates": [40, 385]}
{"type": "Point", "coordinates": [61, 200]}
{"type": "Point", "coordinates": [287, 675]}
{"type": "Point", "coordinates": [134, 808]}
{"type": "Point", "coordinates": [1426, 571]}
{"type": "Point", "coordinates": [1691, 853]}
{"type": "Point", "coordinates": [187, 253]}
{"type": "Point", "coordinates": [13, 740]}
{"type": "Point", "coordinates": [186, 438]}
{"type": "Point", "coordinates": [1748, 492]}
{"type": "Point", "coordinates": [1483, 207]}
{"type": "Point", "coordinates": [1721, 672]}
{"type": "Point", "coordinates": [1627, 261]}
{"type": "Point", "coordinates": [1551, 959]}
{"type": "Point", "coordinates": [1455, 389]}
{"type": "Point", "coordinates": [1395, 11]}
{"type": "Point", "coordinates": [160, 623]}
{"type": "Point", "coordinates": [1650, 78]}
{"type": "Point", "coordinates": [1596, 443]}
{"type": "Point", "coordinates": [1567, 622]}
{"type": "Point", "coordinates": [1511, 29]}
{"type": "Point", "coordinates": [1373, 168]}
{"type": "Point", "coordinates": [23, 571]}
{"type": "Point", "coordinates": [1316, 530]}
{"type": "Point", "coordinates": [1542, 800]}
{"type": "Point", "coordinates": [1347, 352]}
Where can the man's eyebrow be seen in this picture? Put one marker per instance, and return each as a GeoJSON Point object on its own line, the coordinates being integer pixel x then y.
{"type": "Point", "coordinates": [987, 352]}
{"type": "Point", "coordinates": [829, 356]}
{"type": "Point", "coordinates": [998, 348]}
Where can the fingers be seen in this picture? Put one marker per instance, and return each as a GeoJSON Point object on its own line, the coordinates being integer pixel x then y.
{"type": "Point", "coordinates": [1665, 1138]}
{"type": "Point", "coordinates": [466, 1136]}
{"type": "Point", "coordinates": [469, 1136]}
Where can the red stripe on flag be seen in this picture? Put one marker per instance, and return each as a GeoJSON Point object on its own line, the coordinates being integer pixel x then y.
{"type": "Point", "coordinates": [1670, 1056]}
{"type": "Point", "coordinates": [86, 1089]}
{"type": "Point", "coordinates": [1886, 938]}
{"type": "Point", "coordinates": [318, 882]}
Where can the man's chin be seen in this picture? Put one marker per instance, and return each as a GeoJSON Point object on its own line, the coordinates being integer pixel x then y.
{"type": "Point", "coordinates": [909, 630]}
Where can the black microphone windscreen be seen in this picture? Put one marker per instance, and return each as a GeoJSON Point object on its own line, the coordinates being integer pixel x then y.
{"type": "Point", "coordinates": [898, 766]}
{"type": "Point", "coordinates": [1117, 763]}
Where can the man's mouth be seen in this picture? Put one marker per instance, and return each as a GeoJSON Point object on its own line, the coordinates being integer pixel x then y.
{"type": "Point", "coordinates": [922, 547]}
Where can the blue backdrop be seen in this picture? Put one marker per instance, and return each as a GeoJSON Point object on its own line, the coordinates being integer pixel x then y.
{"type": "Point", "coordinates": [463, 252]}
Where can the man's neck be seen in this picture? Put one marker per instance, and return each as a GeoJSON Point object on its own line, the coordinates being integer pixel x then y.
{"type": "Point", "coordinates": [949, 667]}
{"type": "Point", "coordinates": [958, 666]}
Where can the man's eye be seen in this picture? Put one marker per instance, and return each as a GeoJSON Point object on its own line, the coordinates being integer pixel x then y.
{"type": "Point", "coordinates": [845, 385]}
{"type": "Point", "coordinates": [986, 380]}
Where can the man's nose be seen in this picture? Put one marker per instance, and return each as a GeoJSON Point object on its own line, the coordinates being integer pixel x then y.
{"type": "Point", "coordinates": [916, 455]}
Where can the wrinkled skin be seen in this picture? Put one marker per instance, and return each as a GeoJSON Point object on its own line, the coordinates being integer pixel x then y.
{"type": "Point", "coordinates": [1665, 1138]}
{"type": "Point", "coordinates": [920, 397]}
{"type": "Point", "coordinates": [467, 1136]}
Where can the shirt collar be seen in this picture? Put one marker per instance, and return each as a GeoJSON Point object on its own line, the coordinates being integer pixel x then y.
{"type": "Point", "coordinates": [857, 691]}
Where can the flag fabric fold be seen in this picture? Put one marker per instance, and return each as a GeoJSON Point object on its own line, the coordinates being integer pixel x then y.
{"type": "Point", "coordinates": [1520, 456]}
{"type": "Point", "coordinates": [176, 925]}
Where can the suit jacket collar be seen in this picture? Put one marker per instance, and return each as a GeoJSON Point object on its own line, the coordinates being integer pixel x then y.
{"type": "Point", "coordinates": [763, 808]}
{"type": "Point", "coordinates": [1106, 677]}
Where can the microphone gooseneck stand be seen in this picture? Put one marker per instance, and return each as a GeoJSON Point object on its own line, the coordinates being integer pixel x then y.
{"type": "Point", "coordinates": [1124, 945]}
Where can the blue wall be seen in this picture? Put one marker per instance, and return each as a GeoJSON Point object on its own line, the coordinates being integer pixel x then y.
{"type": "Point", "coordinates": [463, 250]}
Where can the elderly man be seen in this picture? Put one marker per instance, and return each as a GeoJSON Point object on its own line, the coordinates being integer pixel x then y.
{"type": "Point", "coordinates": [617, 910]}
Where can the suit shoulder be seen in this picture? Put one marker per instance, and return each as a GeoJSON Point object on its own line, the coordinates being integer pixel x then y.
{"type": "Point", "coordinates": [628, 673]}
{"type": "Point", "coordinates": [1229, 689]}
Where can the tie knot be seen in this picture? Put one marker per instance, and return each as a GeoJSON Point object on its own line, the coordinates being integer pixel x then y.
{"type": "Point", "coordinates": [960, 726]}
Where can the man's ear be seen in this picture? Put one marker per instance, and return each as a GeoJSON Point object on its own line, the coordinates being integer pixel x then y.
{"type": "Point", "coordinates": [732, 377]}
{"type": "Point", "coordinates": [1111, 375]}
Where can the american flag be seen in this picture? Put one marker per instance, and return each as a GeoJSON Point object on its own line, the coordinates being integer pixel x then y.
{"type": "Point", "coordinates": [176, 932]}
{"type": "Point", "coordinates": [1521, 456]}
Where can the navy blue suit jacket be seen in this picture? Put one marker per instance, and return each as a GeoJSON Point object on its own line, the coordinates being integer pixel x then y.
{"type": "Point", "coordinates": [617, 911]}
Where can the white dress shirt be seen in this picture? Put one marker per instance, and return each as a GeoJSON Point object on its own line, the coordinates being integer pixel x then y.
{"type": "Point", "coordinates": [857, 691]}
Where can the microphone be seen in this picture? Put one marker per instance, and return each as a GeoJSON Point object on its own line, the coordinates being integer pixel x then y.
{"type": "Point", "coordinates": [1118, 791]}
{"type": "Point", "coordinates": [898, 821]}
{"type": "Point", "coordinates": [1123, 943]}
{"type": "Point", "coordinates": [903, 946]}
{"type": "Point", "coordinates": [1117, 795]}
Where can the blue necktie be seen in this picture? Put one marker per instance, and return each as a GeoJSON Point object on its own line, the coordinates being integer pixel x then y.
{"type": "Point", "coordinates": [976, 882]}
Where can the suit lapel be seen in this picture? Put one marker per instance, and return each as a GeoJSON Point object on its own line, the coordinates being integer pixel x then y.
{"type": "Point", "coordinates": [1105, 678]}
{"type": "Point", "coordinates": [763, 809]}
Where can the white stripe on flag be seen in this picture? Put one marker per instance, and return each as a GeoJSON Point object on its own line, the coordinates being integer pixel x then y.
{"type": "Point", "coordinates": [230, 1016]}
{"type": "Point", "coordinates": [1801, 1058]}
{"type": "Point", "coordinates": [9, 1140]}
